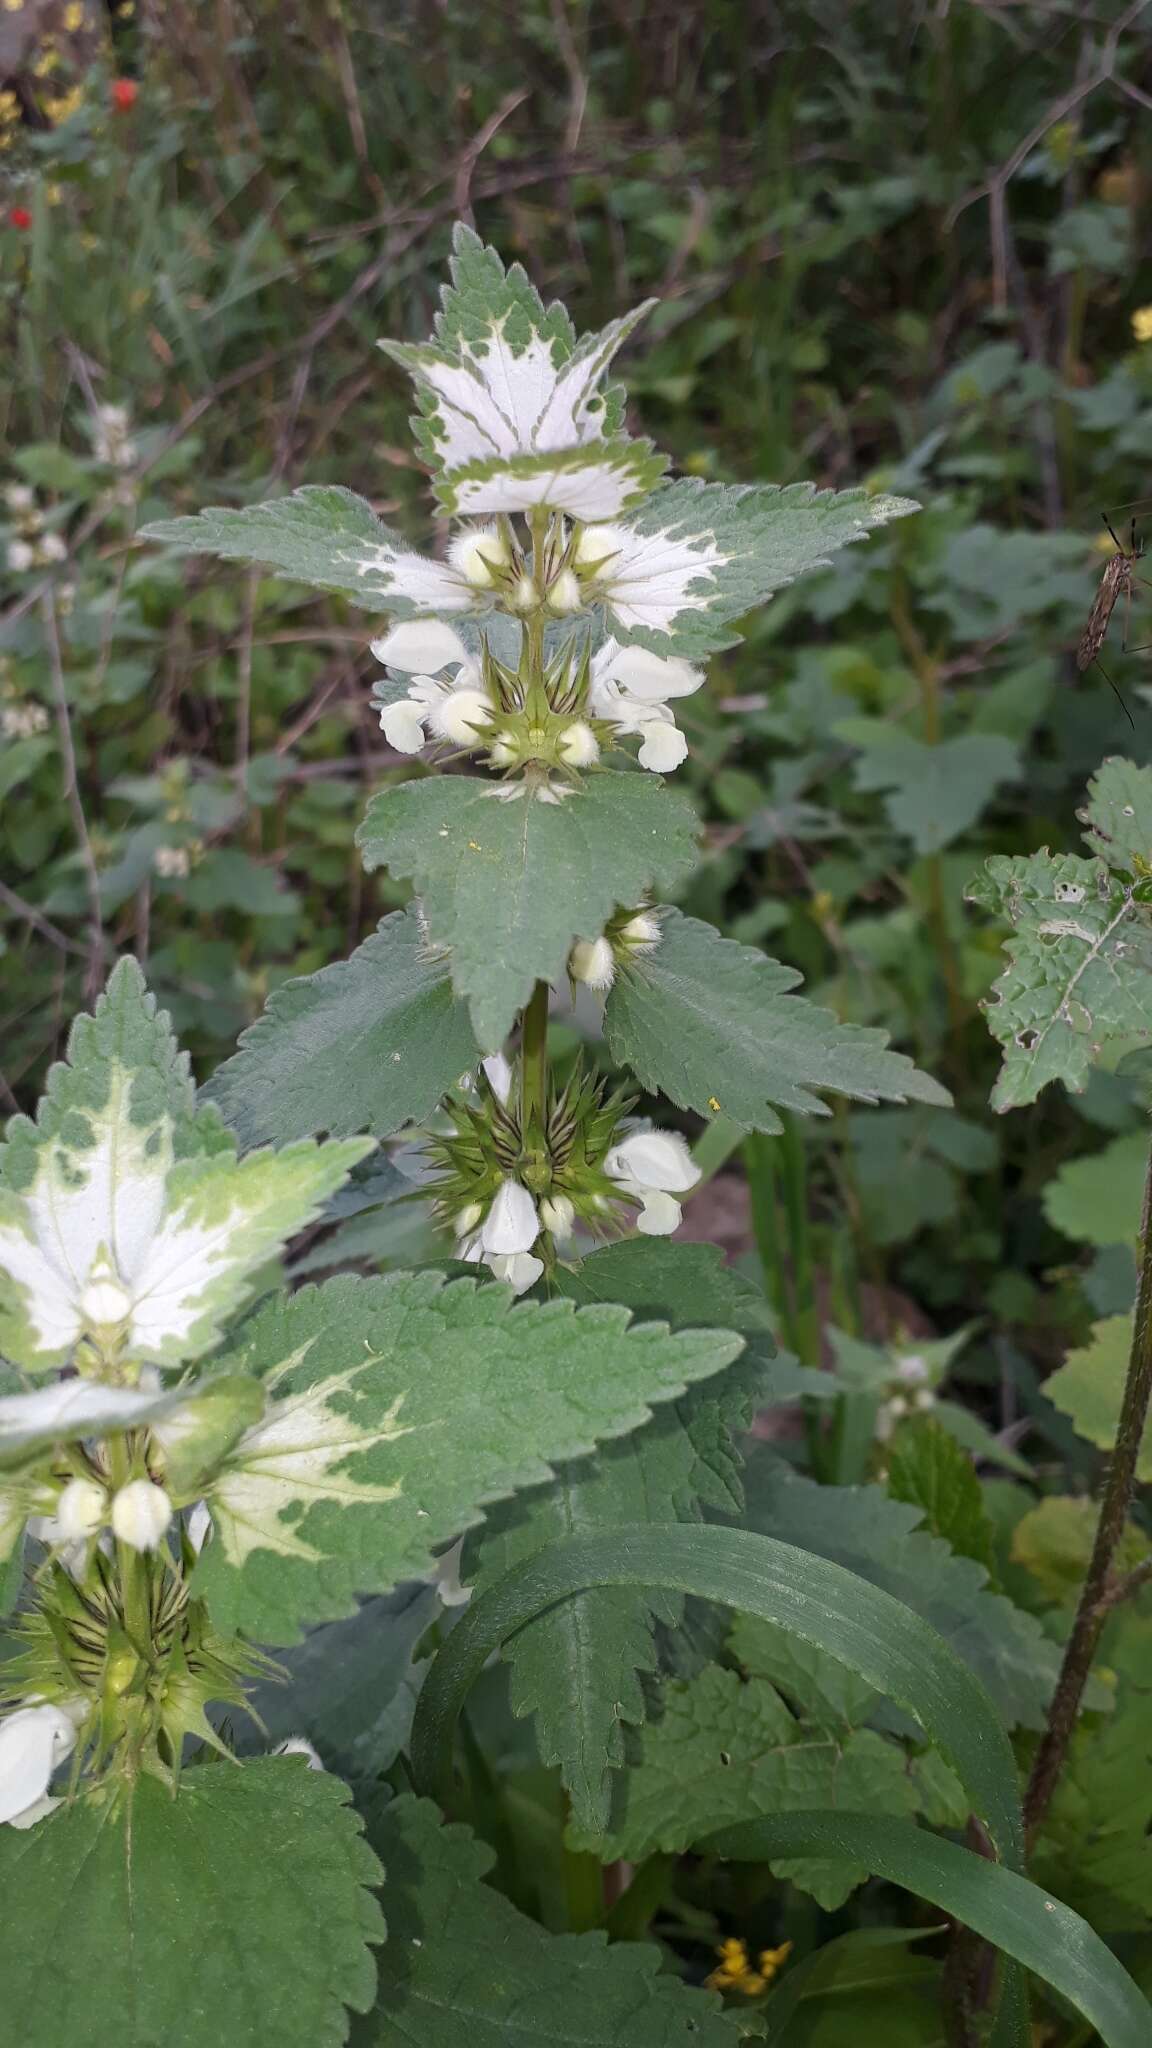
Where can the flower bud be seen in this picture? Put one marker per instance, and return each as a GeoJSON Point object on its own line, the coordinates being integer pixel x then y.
{"type": "Point", "coordinates": [299, 1745]}
{"type": "Point", "coordinates": [53, 548]}
{"type": "Point", "coordinates": [503, 750]}
{"type": "Point", "coordinates": [641, 932]}
{"type": "Point", "coordinates": [141, 1513]}
{"type": "Point", "coordinates": [591, 961]}
{"type": "Point", "coordinates": [80, 1510]}
{"type": "Point", "coordinates": [459, 716]}
{"type": "Point", "coordinates": [558, 1215]}
{"type": "Point", "coordinates": [479, 552]}
{"type": "Point", "coordinates": [564, 594]}
{"type": "Point", "coordinates": [596, 545]}
{"type": "Point", "coordinates": [578, 746]}
{"type": "Point", "coordinates": [525, 597]}
{"type": "Point", "coordinates": [20, 555]}
{"type": "Point", "coordinates": [105, 1301]}
{"type": "Point", "coordinates": [467, 1220]}
{"type": "Point", "coordinates": [664, 747]}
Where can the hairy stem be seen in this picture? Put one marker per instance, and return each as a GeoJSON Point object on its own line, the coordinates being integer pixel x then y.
{"type": "Point", "coordinates": [534, 1058]}
{"type": "Point", "coordinates": [1100, 1590]}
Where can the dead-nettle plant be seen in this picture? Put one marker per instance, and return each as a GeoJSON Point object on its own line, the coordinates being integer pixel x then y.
{"type": "Point", "coordinates": [197, 1466]}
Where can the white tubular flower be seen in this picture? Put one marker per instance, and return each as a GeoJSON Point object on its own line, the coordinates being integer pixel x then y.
{"type": "Point", "coordinates": [420, 647]}
{"type": "Point", "coordinates": [446, 1577]}
{"type": "Point", "coordinates": [654, 1167]}
{"type": "Point", "coordinates": [597, 545]}
{"type": "Point", "coordinates": [564, 594]}
{"type": "Point", "coordinates": [33, 1741]}
{"type": "Point", "coordinates": [512, 1224]}
{"type": "Point", "coordinates": [81, 1509]}
{"type": "Point", "coordinates": [460, 715]}
{"type": "Point", "coordinates": [402, 725]}
{"type": "Point", "coordinates": [629, 687]}
{"type": "Point", "coordinates": [20, 556]}
{"type": "Point", "coordinates": [53, 548]}
{"type": "Point", "coordinates": [578, 746]}
{"type": "Point", "coordinates": [525, 597]}
{"type": "Point", "coordinates": [519, 1270]}
{"type": "Point", "coordinates": [641, 933]}
{"type": "Point", "coordinates": [105, 1301]}
{"type": "Point", "coordinates": [653, 677]}
{"type": "Point", "coordinates": [199, 1525]}
{"type": "Point", "coordinates": [477, 553]}
{"type": "Point", "coordinates": [558, 1215]}
{"type": "Point", "coordinates": [498, 1072]}
{"type": "Point", "coordinates": [591, 962]}
{"type": "Point", "coordinates": [141, 1513]}
{"type": "Point", "coordinates": [299, 1745]}
{"type": "Point", "coordinates": [663, 746]}
{"type": "Point", "coordinates": [467, 1220]}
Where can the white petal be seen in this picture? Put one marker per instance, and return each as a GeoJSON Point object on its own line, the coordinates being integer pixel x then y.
{"type": "Point", "coordinates": [663, 749]}
{"type": "Point", "coordinates": [81, 1510]}
{"type": "Point", "coordinates": [420, 644]}
{"type": "Point", "coordinates": [656, 1159]}
{"type": "Point", "coordinates": [499, 1073]}
{"type": "Point", "coordinates": [31, 1814]}
{"type": "Point", "coordinates": [591, 961]}
{"type": "Point", "coordinates": [511, 1224]}
{"type": "Point", "coordinates": [403, 726]}
{"type": "Point", "coordinates": [298, 1745]}
{"type": "Point", "coordinates": [660, 1215]}
{"type": "Point", "coordinates": [141, 1512]}
{"type": "Point", "coordinates": [460, 716]}
{"type": "Point", "coordinates": [558, 1215]}
{"type": "Point", "coordinates": [578, 746]}
{"type": "Point", "coordinates": [654, 677]}
{"type": "Point", "coordinates": [33, 1741]}
{"type": "Point", "coordinates": [199, 1526]}
{"type": "Point", "coordinates": [519, 1270]}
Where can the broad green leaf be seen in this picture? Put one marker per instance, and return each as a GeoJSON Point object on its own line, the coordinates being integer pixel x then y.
{"type": "Point", "coordinates": [461, 1965]}
{"type": "Point", "coordinates": [508, 886]}
{"type": "Point", "coordinates": [577, 1668]}
{"type": "Point", "coordinates": [697, 556]}
{"type": "Point", "coordinates": [714, 1027]}
{"type": "Point", "coordinates": [195, 1422]}
{"type": "Point", "coordinates": [879, 1638]}
{"type": "Point", "coordinates": [232, 1916]}
{"type": "Point", "coordinates": [369, 1043]}
{"type": "Point", "coordinates": [822, 2000]}
{"type": "Point", "coordinates": [1095, 1849]}
{"type": "Point", "coordinates": [878, 1538]}
{"type": "Point", "coordinates": [350, 1687]}
{"type": "Point", "coordinates": [928, 1470]}
{"type": "Point", "coordinates": [510, 410]}
{"type": "Point", "coordinates": [1096, 1200]}
{"type": "Point", "coordinates": [1119, 817]}
{"type": "Point", "coordinates": [1019, 1918]}
{"type": "Point", "coordinates": [933, 793]}
{"type": "Point", "coordinates": [1053, 1542]}
{"type": "Point", "coordinates": [823, 1691]}
{"type": "Point", "coordinates": [120, 1180]}
{"type": "Point", "coordinates": [1089, 1387]}
{"type": "Point", "coordinates": [401, 1407]}
{"type": "Point", "coordinates": [725, 1749]}
{"type": "Point", "coordinates": [327, 537]}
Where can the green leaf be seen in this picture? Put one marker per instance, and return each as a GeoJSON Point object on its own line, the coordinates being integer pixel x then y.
{"type": "Point", "coordinates": [1019, 1918]}
{"type": "Point", "coordinates": [576, 1668]}
{"type": "Point", "coordinates": [867, 1963]}
{"type": "Point", "coordinates": [1119, 817]}
{"type": "Point", "coordinates": [934, 793]}
{"type": "Point", "coordinates": [121, 1179]}
{"type": "Point", "coordinates": [861, 1528]}
{"type": "Point", "coordinates": [725, 1749]}
{"type": "Point", "coordinates": [1089, 1387]}
{"type": "Point", "coordinates": [462, 1965]}
{"type": "Point", "coordinates": [711, 1024]}
{"type": "Point", "coordinates": [327, 537]}
{"type": "Point", "coordinates": [696, 555]}
{"type": "Point", "coordinates": [929, 1471]}
{"type": "Point", "coordinates": [1096, 1200]}
{"type": "Point", "coordinates": [369, 1043]}
{"type": "Point", "coordinates": [508, 887]}
{"type": "Point", "coordinates": [890, 1647]}
{"type": "Point", "coordinates": [234, 1915]}
{"type": "Point", "coordinates": [1054, 1541]}
{"type": "Point", "coordinates": [403, 1406]}
{"type": "Point", "coordinates": [1095, 1849]}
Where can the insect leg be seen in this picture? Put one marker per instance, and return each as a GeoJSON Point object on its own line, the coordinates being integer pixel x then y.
{"type": "Point", "coordinates": [1116, 694]}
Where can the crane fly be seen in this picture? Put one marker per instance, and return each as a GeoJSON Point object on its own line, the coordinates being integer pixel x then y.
{"type": "Point", "coordinates": [1115, 583]}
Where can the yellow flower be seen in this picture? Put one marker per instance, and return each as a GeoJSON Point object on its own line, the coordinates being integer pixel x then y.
{"type": "Point", "coordinates": [1142, 323]}
{"type": "Point", "coordinates": [735, 1972]}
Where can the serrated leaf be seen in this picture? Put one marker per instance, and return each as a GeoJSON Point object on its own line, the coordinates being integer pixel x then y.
{"type": "Point", "coordinates": [1089, 1387]}
{"type": "Point", "coordinates": [134, 1870]}
{"type": "Point", "coordinates": [329, 538]}
{"type": "Point", "coordinates": [120, 1178]}
{"type": "Point", "coordinates": [928, 1470]}
{"type": "Point", "coordinates": [716, 1027]}
{"type": "Point", "coordinates": [510, 411]}
{"type": "Point", "coordinates": [403, 1406]}
{"type": "Point", "coordinates": [1096, 1200]}
{"type": "Point", "coordinates": [1053, 1542]}
{"type": "Point", "coordinates": [1080, 972]}
{"type": "Point", "coordinates": [508, 887]}
{"type": "Point", "coordinates": [727, 1749]}
{"type": "Point", "coordinates": [577, 1668]}
{"type": "Point", "coordinates": [1119, 816]}
{"type": "Point", "coordinates": [370, 1043]}
{"type": "Point", "coordinates": [461, 1964]}
{"type": "Point", "coordinates": [878, 1538]}
{"type": "Point", "coordinates": [1095, 1849]}
{"type": "Point", "coordinates": [933, 793]}
{"type": "Point", "coordinates": [197, 1422]}
{"type": "Point", "coordinates": [823, 1691]}
{"type": "Point", "coordinates": [697, 556]}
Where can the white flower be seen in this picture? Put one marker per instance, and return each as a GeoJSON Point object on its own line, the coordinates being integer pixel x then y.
{"type": "Point", "coordinates": [558, 1215]}
{"type": "Point", "coordinates": [105, 1302]}
{"type": "Point", "coordinates": [170, 862]}
{"type": "Point", "coordinates": [628, 687]}
{"type": "Point", "coordinates": [20, 497]}
{"type": "Point", "coordinates": [33, 1741]}
{"type": "Point", "coordinates": [641, 933]}
{"type": "Point", "coordinates": [511, 1224]}
{"type": "Point", "coordinates": [597, 545]}
{"type": "Point", "coordinates": [663, 746]}
{"type": "Point", "coordinates": [477, 552]}
{"type": "Point", "coordinates": [912, 1370]}
{"type": "Point", "coordinates": [460, 715]}
{"type": "Point", "coordinates": [23, 721]}
{"type": "Point", "coordinates": [653, 1167]}
{"type": "Point", "coordinates": [578, 746]}
{"type": "Point", "coordinates": [652, 677]}
{"type": "Point", "coordinates": [52, 548]}
{"type": "Point", "coordinates": [403, 725]}
{"type": "Point", "coordinates": [591, 961]}
{"type": "Point", "coordinates": [420, 647]}
{"type": "Point", "coordinates": [81, 1509]}
{"type": "Point", "coordinates": [299, 1745]}
{"type": "Point", "coordinates": [446, 1577]}
{"type": "Point", "coordinates": [198, 1525]}
{"type": "Point", "coordinates": [499, 1075]}
{"type": "Point", "coordinates": [519, 1270]}
{"type": "Point", "coordinates": [20, 556]}
{"type": "Point", "coordinates": [141, 1513]}
{"type": "Point", "coordinates": [564, 594]}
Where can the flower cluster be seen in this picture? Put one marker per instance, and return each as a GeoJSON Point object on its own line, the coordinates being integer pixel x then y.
{"type": "Point", "coordinates": [112, 440]}
{"type": "Point", "coordinates": [736, 1971]}
{"type": "Point", "coordinates": [910, 1393]}
{"type": "Point", "coordinates": [30, 545]}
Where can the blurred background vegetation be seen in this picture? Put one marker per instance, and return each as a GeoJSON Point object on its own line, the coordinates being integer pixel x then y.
{"type": "Point", "coordinates": [902, 245]}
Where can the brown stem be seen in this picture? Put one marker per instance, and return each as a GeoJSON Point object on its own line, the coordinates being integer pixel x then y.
{"type": "Point", "coordinates": [1100, 1590]}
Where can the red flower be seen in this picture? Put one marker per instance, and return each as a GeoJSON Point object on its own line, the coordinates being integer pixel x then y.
{"type": "Point", "coordinates": [125, 92]}
{"type": "Point", "coordinates": [20, 217]}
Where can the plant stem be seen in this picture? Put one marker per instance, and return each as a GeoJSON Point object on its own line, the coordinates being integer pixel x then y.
{"type": "Point", "coordinates": [534, 1058]}
{"type": "Point", "coordinates": [1099, 1591]}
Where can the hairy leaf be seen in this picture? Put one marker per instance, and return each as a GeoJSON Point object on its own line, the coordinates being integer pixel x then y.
{"type": "Point", "coordinates": [508, 886]}
{"type": "Point", "coordinates": [713, 1026]}
{"type": "Point", "coordinates": [933, 793]}
{"type": "Point", "coordinates": [1097, 1199]}
{"type": "Point", "coordinates": [101, 1901]}
{"type": "Point", "coordinates": [928, 1470]}
{"type": "Point", "coordinates": [1089, 1387]}
{"type": "Point", "coordinates": [370, 1043]}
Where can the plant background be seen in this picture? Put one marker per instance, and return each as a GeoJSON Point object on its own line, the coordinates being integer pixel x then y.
{"type": "Point", "coordinates": [864, 274]}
